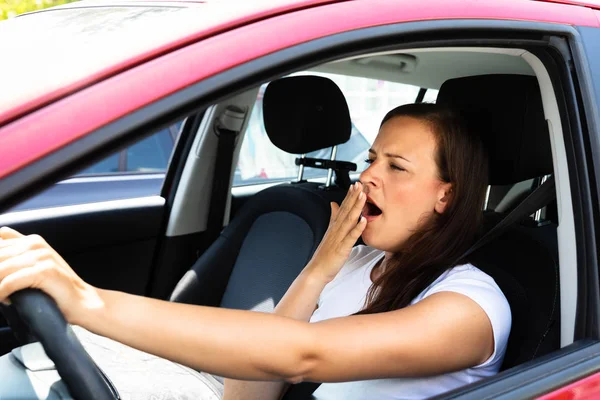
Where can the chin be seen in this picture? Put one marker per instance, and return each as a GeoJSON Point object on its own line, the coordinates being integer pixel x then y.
{"type": "Point", "coordinates": [370, 239]}
{"type": "Point", "coordinates": [380, 242]}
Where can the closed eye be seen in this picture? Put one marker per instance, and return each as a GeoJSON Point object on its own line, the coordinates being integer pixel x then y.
{"type": "Point", "coordinates": [396, 168]}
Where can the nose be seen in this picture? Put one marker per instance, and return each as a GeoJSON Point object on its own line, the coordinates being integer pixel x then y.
{"type": "Point", "coordinates": [370, 176]}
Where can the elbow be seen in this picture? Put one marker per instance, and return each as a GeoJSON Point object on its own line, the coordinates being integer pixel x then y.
{"type": "Point", "coordinates": [306, 360]}
{"type": "Point", "coordinates": [304, 370]}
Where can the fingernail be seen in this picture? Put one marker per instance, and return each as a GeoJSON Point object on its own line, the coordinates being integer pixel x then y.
{"type": "Point", "coordinates": [361, 195]}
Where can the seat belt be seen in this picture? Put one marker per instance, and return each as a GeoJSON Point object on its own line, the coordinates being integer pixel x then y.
{"type": "Point", "coordinates": [538, 198]}
{"type": "Point", "coordinates": [227, 127]}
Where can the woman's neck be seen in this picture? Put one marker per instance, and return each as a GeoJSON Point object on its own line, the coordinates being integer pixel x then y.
{"type": "Point", "coordinates": [381, 265]}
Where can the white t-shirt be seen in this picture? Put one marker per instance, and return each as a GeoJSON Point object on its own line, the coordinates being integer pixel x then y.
{"type": "Point", "coordinates": [346, 295]}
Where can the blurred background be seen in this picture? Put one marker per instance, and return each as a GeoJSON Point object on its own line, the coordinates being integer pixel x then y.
{"type": "Point", "coordinates": [11, 8]}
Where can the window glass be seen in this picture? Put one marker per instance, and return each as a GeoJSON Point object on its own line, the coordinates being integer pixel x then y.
{"type": "Point", "coordinates": [368, 100]}
{"type": "Point", "coordinates": [148, 155]}
{"type": "Point", "coordinates": [430, 96]}
{"type": "Point", "coordinates": [107, 166]}
{"type": "Point", "coordinates": [151, 154]}
{"type": "Point", "coordinates": [132, 172]}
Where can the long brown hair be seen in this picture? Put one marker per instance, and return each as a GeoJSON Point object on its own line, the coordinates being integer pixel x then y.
{"type": "Point", "coordinates": [441, 240]}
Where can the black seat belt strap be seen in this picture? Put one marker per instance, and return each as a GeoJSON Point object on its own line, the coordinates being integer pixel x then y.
{"type": "Point", "coordinates": [538, 198]}
{"type": "Point", "coordinates": [227, 127]}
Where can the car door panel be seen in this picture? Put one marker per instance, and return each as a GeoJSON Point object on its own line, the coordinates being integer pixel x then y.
{"type": "Point", "coordinates": [110, 244]}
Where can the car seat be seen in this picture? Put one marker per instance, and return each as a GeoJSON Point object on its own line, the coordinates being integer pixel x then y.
{"type": "Point", "coordinates": [273, 236]}
{"type": "Point", "coordinates": [507, 111]}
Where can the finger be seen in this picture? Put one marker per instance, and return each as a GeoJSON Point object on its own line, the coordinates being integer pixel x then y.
{"type": "Point", "coordinates": [9, 233]}
{"type": "Point", "coordinates": [22, 261]}
{"type": "Point", "coordinates": [355, 232]}
{"type": "Point", "coordinates": [24, 278]}
{"type": "Point", "coordinates": [29, 242]}
{"type": "Point", "coordinates": [350, 200]}
{"type": "Point", "coordinates": [353, 214]}
{"type": "Point", "coordinates": [356, 210]}
{"type": "Point", "coordinates": [13, 249]}
{"type": "Point", "coordinates": [334, 210]}
{"type": "Point", "coordinates": [9, 242]}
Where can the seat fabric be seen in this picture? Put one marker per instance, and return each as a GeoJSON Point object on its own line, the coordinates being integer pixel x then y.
{"type": "Point", "coordinates": [273, 236]}
{"type": "Point", "coordinates": [524, 263]}
{"type": "Point", "coordinates": [507, 111]}
{"type": "Point", "coordinates": [264, 248]}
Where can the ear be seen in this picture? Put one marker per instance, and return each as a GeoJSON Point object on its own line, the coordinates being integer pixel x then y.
{"type": "Point", "coordinates": [444, 196]}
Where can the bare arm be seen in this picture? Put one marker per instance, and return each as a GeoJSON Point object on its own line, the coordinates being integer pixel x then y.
{"type": "Point", "coordinates": [300, 300]}
{"type": "Point", "coordinates": [298, 303]}
{"type": "Point", "coordinates": [445, 332]}
{"type": "Point", "coordinates": [258, 346]}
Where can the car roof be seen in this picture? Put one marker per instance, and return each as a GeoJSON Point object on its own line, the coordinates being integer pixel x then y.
{"type": "Point", "coordinates": [67, 48]}
{"type": "Point", "coordinates": [584, 3]}
{"type": "Point", "coordinates": [63, 49]}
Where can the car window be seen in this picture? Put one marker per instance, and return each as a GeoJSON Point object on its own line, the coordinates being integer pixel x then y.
{"type": "Point", "coordinates": [134, 172]}
{"type": "Point", "coordinates": [151, 154]}
{"type": "Point", "coordinates": [148, 155]}
{"type": "Point", "coordinates": [368, 100]}
{"type": "Point", "coordinates": [107, 166]}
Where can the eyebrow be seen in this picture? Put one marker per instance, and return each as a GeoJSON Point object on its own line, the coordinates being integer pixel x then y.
{"type": "Point", "coordinates": [371, 151]}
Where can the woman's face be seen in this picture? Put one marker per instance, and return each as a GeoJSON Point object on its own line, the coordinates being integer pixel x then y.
{"type": "Point", "coordinates": [402, 183]}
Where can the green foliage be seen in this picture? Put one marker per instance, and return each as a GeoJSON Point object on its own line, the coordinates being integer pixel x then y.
{"type": "Point", "coordinates": [11, 8]}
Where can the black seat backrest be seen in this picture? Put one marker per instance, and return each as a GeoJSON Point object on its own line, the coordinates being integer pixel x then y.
{"type": "Point", "coordinates": [275, 233]}
{"type": "Point", "coordinates": [524, 263]}
{"type": "Point", "coordinates": [507, 111]}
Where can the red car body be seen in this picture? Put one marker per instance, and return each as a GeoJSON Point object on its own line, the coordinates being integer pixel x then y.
{"type": "Point", "coordinates": [229, 36]}
{"type": "Point", "coordinates": [243, 33]}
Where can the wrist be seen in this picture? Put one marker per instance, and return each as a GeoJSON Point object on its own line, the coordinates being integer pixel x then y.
{"type": "Point", "coordinates": [92, 309]}
{"type": "Point", "coordinates": [316, 274]}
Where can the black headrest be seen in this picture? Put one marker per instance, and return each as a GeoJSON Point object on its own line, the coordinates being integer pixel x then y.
{"type": "Point", "coordinates": [305, 113]}
{"type": "Point", "coordinates": [507, 111]}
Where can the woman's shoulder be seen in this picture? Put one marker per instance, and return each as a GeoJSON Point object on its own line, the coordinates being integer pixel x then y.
{"type": "Point", "coordinates": [467, 278]}
{"type": "Point", "coordinates": [480, 287]}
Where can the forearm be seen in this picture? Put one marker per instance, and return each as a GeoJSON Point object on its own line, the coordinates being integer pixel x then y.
{"type": "Point", "coordinates": [300, 300]}
{"type": "Point", "coordinates": [232, 343]}
{"type": "Point", "coordinates": [299, 303]}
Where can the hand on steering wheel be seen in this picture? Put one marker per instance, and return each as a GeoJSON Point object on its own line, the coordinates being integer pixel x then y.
{"type": "Point", "coordinates": [29, 262]}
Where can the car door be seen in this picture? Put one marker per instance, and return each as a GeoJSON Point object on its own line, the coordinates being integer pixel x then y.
{"type": "Point", "coordinates": [106, 220]}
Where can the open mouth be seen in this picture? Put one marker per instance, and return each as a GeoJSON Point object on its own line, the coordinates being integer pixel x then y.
{"type": "Point", "coordinates": [370, 210]}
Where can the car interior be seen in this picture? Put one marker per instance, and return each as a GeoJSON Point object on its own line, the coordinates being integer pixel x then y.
{"type": "Point", "coordinates": [271, 229]}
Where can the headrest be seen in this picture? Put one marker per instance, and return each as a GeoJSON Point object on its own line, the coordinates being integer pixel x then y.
{"type": "Point", "coordinates": [507, 111]}
{"type": "Point", "coordinates": [305, 113]}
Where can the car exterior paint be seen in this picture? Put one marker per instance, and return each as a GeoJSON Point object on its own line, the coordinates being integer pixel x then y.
{"type": "Point", "coordinates": [188, 65]}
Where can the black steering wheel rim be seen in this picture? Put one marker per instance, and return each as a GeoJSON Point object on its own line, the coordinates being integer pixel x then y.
{"type": "Point", "coordinates": [74, 365]}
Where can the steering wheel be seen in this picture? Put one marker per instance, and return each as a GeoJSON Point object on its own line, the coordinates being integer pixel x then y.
{"type": "Point", "coordinates": [76, 368]}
